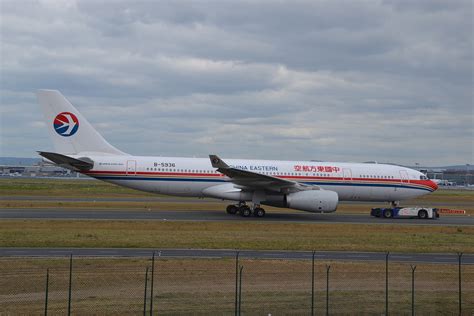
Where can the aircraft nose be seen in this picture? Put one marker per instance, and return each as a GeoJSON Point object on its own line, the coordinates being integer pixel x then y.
{"type": "Point", "coordinates": [433, 185]}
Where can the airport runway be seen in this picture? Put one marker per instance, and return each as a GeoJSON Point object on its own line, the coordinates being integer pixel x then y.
{"type": "Point", "coordinates": [215, 216]}
{"type": "Point", "coordinates": [226, 253]}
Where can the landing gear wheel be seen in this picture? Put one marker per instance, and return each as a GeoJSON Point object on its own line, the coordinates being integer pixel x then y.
{"type": "Point", "coordinates": [245, 211]}
{"type": "Point", "coordinates": [422, 214]}
{"type": "Point", "coordinates": [387, 213]}
{"type": "Point", "coordinates": [259, 212]}
{"type": "Point", "coordinates": [232, 209]}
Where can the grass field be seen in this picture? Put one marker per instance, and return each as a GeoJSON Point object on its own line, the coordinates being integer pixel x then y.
{"type": "Point", "coordinates": [68, 187]}
{"type": "Point", "coordinates": [231, 235]}
{"type": "Point", "coordinates": [190, 286]}
{"type": "Point", "coordinates": [255, 235]}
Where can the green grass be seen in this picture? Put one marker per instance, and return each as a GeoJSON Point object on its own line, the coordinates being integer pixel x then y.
{"type": "Point", "coordinates": [157, 234]}
{"type": "Point", "coordinates": [67, 188]}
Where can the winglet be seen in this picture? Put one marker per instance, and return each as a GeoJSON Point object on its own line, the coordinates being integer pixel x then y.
{"type": "Point", "coordinates": [217, 162]}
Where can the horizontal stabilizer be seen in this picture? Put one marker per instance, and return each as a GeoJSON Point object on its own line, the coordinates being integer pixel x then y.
{"type": "Point", "coordinates": [82, 164]}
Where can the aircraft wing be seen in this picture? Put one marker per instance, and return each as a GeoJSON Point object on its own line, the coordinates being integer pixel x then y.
{"type": "Point", "coordinates": [254, 180]}
{"type": "Point", "coordinates": [83, 164]}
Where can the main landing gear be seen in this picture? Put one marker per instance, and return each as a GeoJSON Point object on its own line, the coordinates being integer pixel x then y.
{"type": "Point", "coordinates": [245, 211]}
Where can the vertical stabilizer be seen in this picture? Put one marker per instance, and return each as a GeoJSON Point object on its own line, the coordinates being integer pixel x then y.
{"type": "Point", "coordinates": [70, 131]}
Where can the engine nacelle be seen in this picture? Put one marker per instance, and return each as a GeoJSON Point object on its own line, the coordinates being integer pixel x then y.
{"type": "Point", "coordinates": [316, 201]}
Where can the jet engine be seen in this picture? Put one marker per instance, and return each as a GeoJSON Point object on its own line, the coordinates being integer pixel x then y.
{"type": "Point", "coordinates": [316, 201]}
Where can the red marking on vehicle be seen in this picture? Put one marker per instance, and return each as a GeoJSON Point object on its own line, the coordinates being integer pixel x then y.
{"type": "Point", "coordinates": [450, 211]}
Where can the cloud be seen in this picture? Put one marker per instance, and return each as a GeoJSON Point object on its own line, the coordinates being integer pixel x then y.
{"type": "Point", "coordinates": [332, 80]}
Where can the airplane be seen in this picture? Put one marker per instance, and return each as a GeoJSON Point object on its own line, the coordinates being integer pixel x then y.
{"type": "Point", "coordinates": [309, 186]}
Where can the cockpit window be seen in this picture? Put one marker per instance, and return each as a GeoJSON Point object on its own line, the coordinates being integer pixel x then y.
{"type": "Point", "coordinates": [423, 177]}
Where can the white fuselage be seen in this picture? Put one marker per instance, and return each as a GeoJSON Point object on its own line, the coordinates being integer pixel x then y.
{"type": "Point", "coordinates": [191, 176]}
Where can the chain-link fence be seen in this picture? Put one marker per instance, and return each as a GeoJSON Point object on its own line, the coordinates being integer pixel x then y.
{"type": "Point", "coordinates": [226, 286]}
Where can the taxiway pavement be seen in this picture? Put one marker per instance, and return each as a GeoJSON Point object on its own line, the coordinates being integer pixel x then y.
{"type": "Point", "coordinates": [213, 216]}
{"type": "Point", "coordinates": [229, 253]}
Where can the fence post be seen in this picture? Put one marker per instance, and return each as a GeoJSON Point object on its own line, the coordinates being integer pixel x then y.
{"type": "Point", "coordinates": [240, 289]}
{"type": "Point", "coordinates": [46, 296]}
{"type": "Point", "coordinates": [386, 283]}
{"type": "Point", "coordinates": [236, 282]}
{"type": "Point", "coordinates": [328, 267]}
{"type": "Point", "coordinates": [413, 268]}
{"type": "Point", "coordinates": [312, 286]}
{"type": "Point", "coordinates": [70, 287]}
{"type": "Point", "coordinates": [460, 281]}
{"type": "Point", "coordinates": [146, 289]}
{"type": "Point", "coordinates": [152, 279]}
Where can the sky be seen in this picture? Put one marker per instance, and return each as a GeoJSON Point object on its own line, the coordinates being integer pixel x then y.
{"type": "Point", "coordinates": [386, 81]}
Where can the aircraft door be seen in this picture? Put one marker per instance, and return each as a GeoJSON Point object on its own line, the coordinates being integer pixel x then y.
{"type": "Point", "coordinates": [131, 167]}
{"type": "Point", "coordinates": [347, 174]}
{"type": "Point", "coordinates": [403, 176]}
{"type": "Point", "coordinates": [347, 191]}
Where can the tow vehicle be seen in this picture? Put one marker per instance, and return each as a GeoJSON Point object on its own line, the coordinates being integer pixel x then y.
{"type": "Point", "coordinates": [407, 212]}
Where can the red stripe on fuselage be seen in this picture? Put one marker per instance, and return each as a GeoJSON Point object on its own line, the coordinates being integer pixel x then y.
{"type": "Point", "coordinates": [426, 183]}
{"type": "Point", "coordinates": [154, 173]}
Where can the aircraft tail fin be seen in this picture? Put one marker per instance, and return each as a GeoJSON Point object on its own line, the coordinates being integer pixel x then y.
{"type": "Point", "coordinates": [70, 131]}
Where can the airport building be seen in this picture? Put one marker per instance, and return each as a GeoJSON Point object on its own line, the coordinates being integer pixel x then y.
{"type": "Point", "coordinates": [35, 171]}
{"type": "Point", "coordinates": [453, 176]}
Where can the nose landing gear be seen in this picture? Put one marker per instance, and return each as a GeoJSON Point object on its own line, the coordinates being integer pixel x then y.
{"type": "Point", "coordinates": [259, 212]}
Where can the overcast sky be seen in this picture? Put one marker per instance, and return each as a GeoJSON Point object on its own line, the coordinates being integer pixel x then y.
{"type": "Point", "coordinates": [390, 81]}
